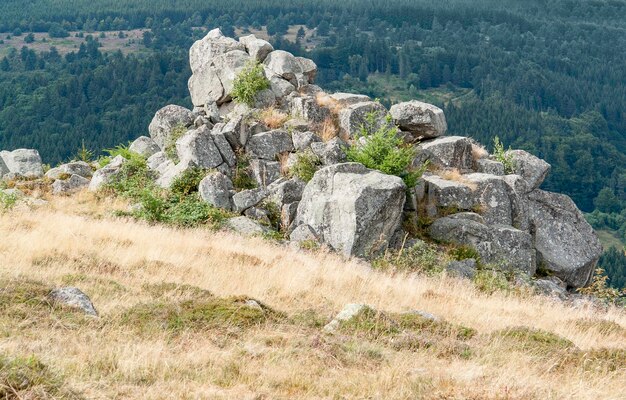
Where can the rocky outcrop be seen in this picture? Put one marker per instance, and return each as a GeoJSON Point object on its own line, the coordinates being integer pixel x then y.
{"type": "Point", "coordinates": [217, 190]}
{"type": "Point", "coordinates": [70, 185]}
{"type": "Point", "coordinates": [22, 162]}
{"type": "Point", "coordinates": [79, 168]}
{"type": "Point", "coordinates": [352, 209]}
{"type": "Point", "coordinates": [166, 120]}
{"type": "Point", "coordinates": [144, 146]}
{"type": "Point", "coordinates": [107, 173]}
{"type": "Point", "coordinates": [421, 120]}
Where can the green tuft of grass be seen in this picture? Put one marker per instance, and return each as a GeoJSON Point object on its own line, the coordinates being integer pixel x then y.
{"type": "Point", "coordinates": [534, 340]}
{"type": "Point", "coordinates": [250, 81]}
{"type": "Point", "coordinates": [305, 166]}
{"type": "Point", "coordinates": [188, 182]}
{"type": "Point", "coordinates": [421, 257]}
{"type": "Point", "coordinates": [170, 146]}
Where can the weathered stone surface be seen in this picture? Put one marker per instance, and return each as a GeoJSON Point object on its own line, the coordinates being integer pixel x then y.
{"type": "Point", "coordinates": [265, 172]}
{"type": "Point", "coordinates": [257, 48]}
{"type": "Point", "coordinates": [279, 86]}
{"type": "Point", "coordinates": [156, 160]}
{"type": "Point", "coordinates": [551, 286]}
{"type": "Point", "coordinates": [168, 172]}
{"type": "Point", "coordinates": [144, 146]}
{"type": "Point", "coordinates": [246, 226]}
{"type": "Point", "coordinates": [212, 112]}
{"type": "Point", "coordinates": [216, 189]}
{"type": "Point", "coordinates": [493, 196]}
{"type": "Point", "coordinates": [347, 99]}
{"type": "Point", "coordinates": [235, 131]}
{"type": "Point", "coordinates": [284, 65]}
{"type": "Point", "coordinates": [353, 209]}
{"type": "Point", "coordinates": [486, 166]}
{"type": "Point", "coordinates": [268, 145]}
{"type": "Point", "coordinates": [228, 66]}
{"type": "Point", "coordinates": [69, 185]}
{"type": "Point", "coordinates": [258, 214]}
{"type": "Point", "coordinates": [197, 148]}
{"type": "Point", "coordinates": [248, 198]}
{"type": "Point", "coordinates": [224, 148]}
{"type": "Point", "coordinates": [352, 117]}
{"type": "Point", "coordinates": [75, 298]}
{"type": "Point", "coordinates": [534, 170]}
{"type": "Point", "coordinates": [205, 86]}
{"type": "Point", "coordinates": [286, 191]}
{"type": "Point", "coordinates": [23, 162]}
{"type": "Point", "coordinates": [79, 168]}
{"type": "Point", "coordinates": [446, 152]}
{"type": "Point", "coordinates": [442, 193]}
{"type": "Point", "coordinates": [203, 51]}
{"type": "Point", "coordinates": [462, 269]}
{"type": "Point", "coordinates": [349, 312]}
{"type": "Point", "coordinates": [3, 168]}
{"type": "Point", "coordinates": [566, 244]}
{"type": "Point", "coordinates": [309, 70]}
{"type": "Point", "coordinates": [302, 140]}
{"type": "Point", "coordinates": [307, 108]}
{"type": "Point", "coordinates": [302, 233]}
{"type": "Point", "coordinates": [106, 174]}
{"type": "Point", "coordinates": [264, 99]}
{"type": "Point", "coordinates": [202, 120]}
{"type": "Point", "coordinates": [331, 152]}
{"type": "Point", "coordinates": [501, 245]}
{"type": "Point", "coordinates": [165, 120]}
{"type": "Point", "coordinates": [288, 214]}
{"type": "Point", "coordinates": [421, 119]}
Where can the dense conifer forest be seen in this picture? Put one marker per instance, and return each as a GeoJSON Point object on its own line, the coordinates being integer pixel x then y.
{"type": "Point", "coordinates": [548, 76]}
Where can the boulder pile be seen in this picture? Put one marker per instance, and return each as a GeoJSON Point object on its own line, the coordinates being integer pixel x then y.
{"type": "Point", "coordinates": [468, 197]}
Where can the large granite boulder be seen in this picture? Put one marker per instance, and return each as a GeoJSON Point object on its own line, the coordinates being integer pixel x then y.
{"type": "Point", "coordinates": [107, 173]}
{"type": "Point", "coordinates": [501, 245]}
{"type": "Point", "coordinates": [296, 70]}
{"type": "Point", "coordinates": [352, 209]}
{"type": "Point", "coordinates": [166, 120]}
{"type": "Point", "coordinates": [446, 152]}
{"type": "Point", "coordinates": [217, 190]}
{"type": "Point", "coordinates": [268, 145]}
{"type": "Point", "coordinates": [493, 196]}
{"type": "Point", "coordinates": [566, 244]}
{"type": "Point", "coordinates": [205, 86]}
{"type": "Point", "coordinates": [197, 148]}
{"type": "Point", "coordinates": [203, 51]}
{"type": "Point", "coordinates": [422, 120]}
{"type": "Point", "coordinates": [257, 48]}
{"type": "Point", "coordinates": [144, 146]}
{"type": "Point", "coordinates": [354, 116]}
{"type": "Point", "coordinates": [79, 168]}
{"type": "Point", "coordinates": [23, 162]}
{"type": "Point", "coordinates": [533, 169]}
{"type": "Point", "coordinates": [228, 66]}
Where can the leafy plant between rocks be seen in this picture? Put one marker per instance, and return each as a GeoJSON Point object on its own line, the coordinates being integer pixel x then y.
{"type": "Point", "coordinates": [421, 257]}
{"type": "Point", "coordinates": [379, 147]}
{"type": "Point", "coordinates": [170, 146]}
{"type": "Point", "coordinates": [250, 81]}
{"type": "Point", "coordinates": [7, 201]}
{"type": "Point", "coordinates": [305, 166]}
{"type": "Point", "coordinates": [600, 289]}
{"type": "Point", "coordinates": [501, 155]}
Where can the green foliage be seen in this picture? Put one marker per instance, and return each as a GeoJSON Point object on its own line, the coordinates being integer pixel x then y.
{"type": "Point", "coordinates": [242, 179]}
{"type": "Point", "coordinates": [121, 150]}
{"type": "Point", "coordinates": [421, 257]}
{"type": "Point", "coordinates": [461, 253]}
{"type": "Point", "coordinates": [492, 280]}
{"type": "Point", "coordinates": [7, 201]}
{"type": "Point", "coordinates": [188, 181]}
{"type": "Point", "coordinates": [84, 154]}
{"type": "Point", "coordinates": [170, 145]}
{"type": "Point", "coordinates": [601, 290]}
{"type": "Point", "coordinates": [250, 81]}
{"type": "Point", "coordinates": [534, 340]}
{"type": "Point", "coordinates": [190, 211]}
{"type": "Point", "coordinates": [28, 377]}
{"type": "Point", "coordinates": [305, 166]}
{"type": "Point", "coordinates": [501, 155]}
{"type": "Point", "coordinates": [385, 151]}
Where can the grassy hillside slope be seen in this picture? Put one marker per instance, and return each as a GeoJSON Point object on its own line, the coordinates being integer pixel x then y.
{"type": "Point", "coordinates": [170, 328]}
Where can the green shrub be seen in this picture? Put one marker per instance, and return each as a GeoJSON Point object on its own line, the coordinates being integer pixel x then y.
{"type": "Point", "coordinates": [123, 151]}
{"type": "Point", "coordinates": [501, 155]}
{"type": "Point", "coordinates": [7, 201]}
{"type": "Point", "coordinates": [491, 281]}
{"type": "Point", "coordinates": [250, 81]}
{"type": "Point", "coordinates": [600, 289]}
{"type": "Point", "coordinates": [190, 211]}
{"type": "Point", "coordinates": [305, 166]}
{"type": "Point", "coordinates": [133, 180]}
{"type": "Point", "coordinates": [170, 146]}
{"type": "Point", "coordinates": [241, 177]}
{"type": "Point", "coordinates": [84, 154]}
{"type": "Point", "coordinates": [188, 181]}
{"type": "Point", "coordinates": [461, 253]}
{"type": "Point", "coordinates": [385, 151]}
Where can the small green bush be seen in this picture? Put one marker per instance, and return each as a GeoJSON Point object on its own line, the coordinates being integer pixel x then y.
{"type": "Point", "coordinates": [170, 146]}
{"type": "Point", "coordinates": [123, 151]}
{"type": "Point", "coordinates": [250, 81]}
{"type": "Point", "coordinates": [501, 155]}
{"type": "Point", "coordinates": [7, 201]}
{"type": "Point", "coordinates": [242, 180]}
{"type": "Point", "coordinates": [305, 166]}
{"type": "Point", "coordinates": [385, 151]}
{"type": "Point", "coordinates": [461, 253]}
{"type": "Point", "coordinates": [190, 211]}
{"type": "Point", "coordinates": [188, 181]}
{"type": "Point", "coordinates": [491, 281]}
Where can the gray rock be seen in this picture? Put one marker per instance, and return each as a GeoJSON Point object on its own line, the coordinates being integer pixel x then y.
{"type": "Point", "coordinates": [3, 168]}
{"type": "Point", "coordinates": [446, 152]}
{"type": "Point", "coordinates": [265, 172]}
{"type": "Point", "coordinates": [205, 86]}
{"type": "Point", "coordinates": [145, 146]}
{"type": "Point", "coordinates": [156, 160]}
{"type": "Point", "coordinates": [309, 70]}
{"type": "Point", "coordinates": [228, 66]}
{"type": "Point", "coordinates": [493, 196]}
{"type": "Point", "coordinates": [169, 172]}
{"type": "Point", "coordinates": [486, 166]}
{"type": "Point", "coordinates": [204, 51]}
{"type": "Point", "coordinates": [75, 298]}
{"type": "Point", "coordinates": [257, 48]}
{"type": "Point", "coordinates": [348, 313]}
{"type": "Point", "coordinates": [216, 189]}
{"type": "Point", "coordinates": [284, 65]}
{"type": "Point", "coordinates": [551, 286]}
{"type": "Point", "coordinates": [264, 99]}
{"type": "Point", "coordinates": [307, 108]}
{"type": "Point", "coordinates": [302, 233]}
{"type": "Point", "coordinates": [79, 168]}
{"type": "Point", "coordinates": [248, 198]}
{"type": "Point", "coordinates": [23, 162]}
{"type": "Point", "coordinates": [288, 214]}
{"type": "Point", "coordinates": [296, 125]}
{"type": "Point", "coordinates": [302, 140]}
{"type": "Point", "coordinates": [505, 246]}
{"type": "Point", "coordinates": [235, 131]}
{"type": "Point", "coordinates": [196, 148]}
{"type": "Point", "coordinates": [166, 120]}
{"type": "Point", "coordinates": [69, 185]}
{"type": "Point", "coordinates": [259, 215]}
{"type": "Point", "coordinates": [269, 145]}
{"type": "Point", "coordinates": [280, 86]}
{"type": "Point", "coordinates": [462, 269]}
{"type": "Point", "coordinates": [533, 169]}
{"type": "Point", "coordinates": [246, 226]}
{"type": "Point", "coordinates": [441, 193]}
{"type": "Point", "coordinates": [352, 117]}
{"type": "Point", "coordinates": [107, 173]}
{"type": "Point", "coordinates": [331, 152]}
{"type": "Point", "coordinates": [347, 99]}
{"type": "Point", "coordinates": [212, 112]}
{"type": "Point", "coordinates": [286, 191]}
{"type": "Point", "coordinates": [224, 148]}
{"type": "Point", "coordinates": [422, 120]}
{"type": "Point", "coordinates": [566, 244]}
{"type": "Point", "coordinates": [352, 209]}
{"type": "Point", "coordinates": [202, 120]}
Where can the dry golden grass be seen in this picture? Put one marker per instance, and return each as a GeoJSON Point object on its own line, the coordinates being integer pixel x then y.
{"type": "Point", "coordinates": [455, 175]}
{"type": "Point", "coordinates": [324, 100]}
{"type": "Point", "coordinates": [121, 264]}
{"type": "Point", "coordinates": [478, 152]}
{"type": "Point", "coordinates": [327, 130]}
{"type": "Point", "coordinates": [273, 118]}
